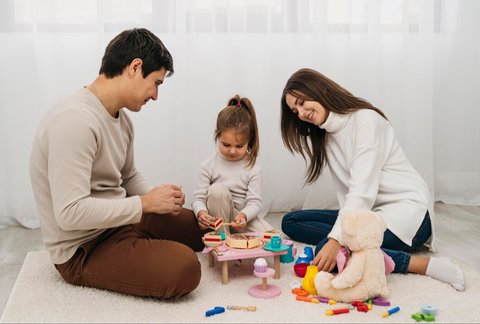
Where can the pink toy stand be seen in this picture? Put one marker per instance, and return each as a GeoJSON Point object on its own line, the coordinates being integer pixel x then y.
{"type": "Point", "coordinates": [264, 290]}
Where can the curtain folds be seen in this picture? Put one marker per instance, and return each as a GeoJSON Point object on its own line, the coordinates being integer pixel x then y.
{"type": "Point", "coordinates": [419, 61]}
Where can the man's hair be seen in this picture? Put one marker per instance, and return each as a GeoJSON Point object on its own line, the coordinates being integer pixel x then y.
{"type": "Point", "coordinates": [136, 43]}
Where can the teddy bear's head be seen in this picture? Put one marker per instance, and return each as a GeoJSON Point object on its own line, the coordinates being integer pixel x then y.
{"type": "Point", "coordinates": [362, 229]}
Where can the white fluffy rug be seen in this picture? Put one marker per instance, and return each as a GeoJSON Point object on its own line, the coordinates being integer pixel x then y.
{"type": "Point", "coordinates": [41, 295]}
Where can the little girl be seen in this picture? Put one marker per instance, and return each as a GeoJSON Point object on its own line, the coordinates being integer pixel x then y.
{"type": "Point", "coordinates": [229, 183]}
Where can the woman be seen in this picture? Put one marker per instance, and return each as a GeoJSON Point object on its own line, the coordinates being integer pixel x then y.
{"type": "Point", "coordinates": [322, 120]}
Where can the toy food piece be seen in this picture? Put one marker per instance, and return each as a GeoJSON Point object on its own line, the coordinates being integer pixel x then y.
{"type": "Point", "coordinates": [215, 224]}
{"type": "Point", "coordinates": [267, 236]}
{"type": "Point", "coordinates": [212, 239]}
{"type": "Point", "coordinates": [242, 241]}
{"type": "Point", "coordinates": [260, 265]}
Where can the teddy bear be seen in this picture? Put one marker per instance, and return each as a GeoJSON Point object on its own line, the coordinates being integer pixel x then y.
{"type": "Point", "coordinates": [364, 274]}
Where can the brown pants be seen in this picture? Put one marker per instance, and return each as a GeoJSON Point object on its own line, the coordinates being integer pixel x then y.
{"type": "Point", "coordinates": [153, 258]}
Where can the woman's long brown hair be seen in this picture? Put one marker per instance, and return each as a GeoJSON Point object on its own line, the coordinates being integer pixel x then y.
{"type": "Point", "coordinates": [308, 139]}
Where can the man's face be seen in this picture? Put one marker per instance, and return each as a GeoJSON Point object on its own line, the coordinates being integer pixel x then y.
{"type": "Point", "coordinates": [144, 89]}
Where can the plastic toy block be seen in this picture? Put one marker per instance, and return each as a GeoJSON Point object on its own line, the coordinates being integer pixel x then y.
{"type": "Point", "coordinates": [429, 309]}
{"type": "Point", "coordinates": [417, 316]}
{"type": "Point", "coordinates": [307, 299]}
{"type": "Point", "coordinates": [299, 292]}
{"type": "Point", "coordinates": [379, 301]}
{"type": "Point", "coordinates": [307, 283]}
{"type": "Point", "coordinates": [337, 311]}
{"type": "Point", "coordinates": [391, 311]}
{"type": "Point", "coordinates": [423, 317]}
{"type": "Point", "coordinates": [429, 317]}
{"type": "Point", "coordinates": [215, 311]}
{"type": "Point", "coordinates": [325, 300]}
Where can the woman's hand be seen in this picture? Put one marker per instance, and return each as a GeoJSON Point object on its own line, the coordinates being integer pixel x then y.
{"type": "Point", "coordinates": [326, 258]}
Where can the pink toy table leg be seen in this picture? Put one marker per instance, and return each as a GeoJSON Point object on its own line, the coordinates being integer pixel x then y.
{"type": "Point", "coordinates": [264, 290]}
{"type": "Point", "coordinates": [224, 254]}
{"type": "Point", "coordinates": [211, 263]}
{"type": "Point", "coordinates": [224, 272]}
{"type": "Point", "coordinates": [276, 265]}
{"type": "Point", "coordinates": [210, 260]}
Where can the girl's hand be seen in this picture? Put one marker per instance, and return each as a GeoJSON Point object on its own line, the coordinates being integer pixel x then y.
{"type": "Point", "coordinates": [240, 220]}
{"type": "Point", "coordinates": [326, 258]}
{"type": "Point", "coordinates": [204, 220]}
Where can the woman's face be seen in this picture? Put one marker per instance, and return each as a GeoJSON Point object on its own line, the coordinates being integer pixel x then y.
{"type": "Point", "coordinates": [307, 110]}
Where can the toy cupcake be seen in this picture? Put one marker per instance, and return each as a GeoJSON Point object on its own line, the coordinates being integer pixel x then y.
{"type": "Point", "coordinates": [260, 265]}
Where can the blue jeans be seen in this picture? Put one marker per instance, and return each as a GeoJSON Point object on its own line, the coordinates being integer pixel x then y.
{"type": "Point", "coordinates": [313, 225]}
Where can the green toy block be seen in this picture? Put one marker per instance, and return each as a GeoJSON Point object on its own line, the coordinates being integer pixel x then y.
{"type": "Point", "coordinates": [418, 317]}
{"type": "Point", "coordinates": [429, 317]}
{"type": "Point", "coordinates": [423, 317]}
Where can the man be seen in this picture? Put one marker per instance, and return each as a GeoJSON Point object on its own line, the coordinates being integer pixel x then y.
{"type": "Point", "coordinates": [102, 223]}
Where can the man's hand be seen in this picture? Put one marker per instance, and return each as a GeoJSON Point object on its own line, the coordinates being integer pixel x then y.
{"type": "Point", "coordinates": [164, 199]}
{"type": "Point", "coordinates": [326, 258]}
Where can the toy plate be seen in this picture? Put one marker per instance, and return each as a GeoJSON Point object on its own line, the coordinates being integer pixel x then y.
{"type": "Point", "coordinates": [248, 249]}
{"type": "Point", "coordinates": [282, 247]}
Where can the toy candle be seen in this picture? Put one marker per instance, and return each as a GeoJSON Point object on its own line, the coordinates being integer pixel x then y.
{"type": "Point", "coordinates": [391, 311]}
{"type": "Point", "coordinates": [307, 299]}
{"type": "Point", "coordinates": [337, 311]}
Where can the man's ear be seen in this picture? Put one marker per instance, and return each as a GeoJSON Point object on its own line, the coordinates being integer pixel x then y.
{"type": "Point", "coordinates": [135, 67]}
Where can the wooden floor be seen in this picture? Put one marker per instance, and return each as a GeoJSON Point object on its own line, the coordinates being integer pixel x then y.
{"type": "Point", "coordinates": [457, 235]}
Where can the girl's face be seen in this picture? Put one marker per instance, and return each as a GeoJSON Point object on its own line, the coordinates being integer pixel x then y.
{"type": "Point", "coordinates": [307, 110]}
{"type": "Point", "coordinates": [232, 145]}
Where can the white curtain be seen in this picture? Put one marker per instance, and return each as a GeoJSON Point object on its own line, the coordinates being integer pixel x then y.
{"type": "Point", "coordinates": [417, 60]}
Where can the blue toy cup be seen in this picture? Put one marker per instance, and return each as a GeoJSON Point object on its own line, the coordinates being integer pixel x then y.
{"type": "Point", "coordinates": [309, 252]}
{"type": "Point", "coordinates": [287, 258]}
{"type": "Point", "coordinates": [302, 258]}
{"type": "Point", "coordinates": [275, 242]}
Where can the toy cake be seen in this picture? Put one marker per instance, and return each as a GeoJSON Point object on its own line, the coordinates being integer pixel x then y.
{"type": "Point", "coordinates": [243, 241]}
{"type": "Point", "coordinates": [260, 265]}
{"type": "Point", "coordinates": [215, 225]}
{"type": "Point", "coordinates": [212, 239]}
{"type": "Point", "coordinates": [267, 236]}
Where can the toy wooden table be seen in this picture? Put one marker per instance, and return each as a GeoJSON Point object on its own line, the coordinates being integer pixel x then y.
{"type": "Point", "coordinates": [226, 254]}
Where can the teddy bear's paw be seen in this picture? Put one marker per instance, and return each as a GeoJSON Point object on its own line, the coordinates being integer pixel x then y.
{"type": "Point", "coordinates": [323, 281]}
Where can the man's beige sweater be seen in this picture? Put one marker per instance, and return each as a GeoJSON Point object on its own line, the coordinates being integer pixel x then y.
{"type": "Point", "coordinates": [83, 173]}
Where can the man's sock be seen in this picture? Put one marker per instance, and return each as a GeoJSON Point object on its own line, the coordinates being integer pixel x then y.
{"type": "Point", "coordinates": [445, 270]}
